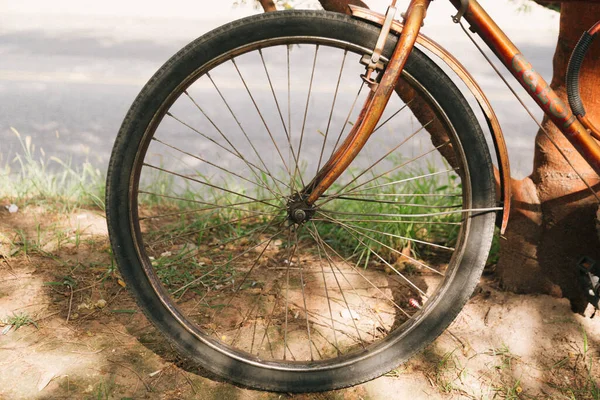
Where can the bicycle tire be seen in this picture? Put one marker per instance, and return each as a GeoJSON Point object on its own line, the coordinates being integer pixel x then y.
{"type": "Point", "coordinates": [144, 224]}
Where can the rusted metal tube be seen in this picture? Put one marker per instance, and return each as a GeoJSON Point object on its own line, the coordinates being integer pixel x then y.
{"type": "Point", "coordinates": [556, 109]}
{"type": "Point", "coordinates": [373, 107]}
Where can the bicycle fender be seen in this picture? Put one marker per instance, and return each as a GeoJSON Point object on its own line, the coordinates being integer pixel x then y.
{"type": "Point", "coordinates": [500, 149]}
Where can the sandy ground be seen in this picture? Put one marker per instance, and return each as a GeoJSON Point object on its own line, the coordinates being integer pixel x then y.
{"type": "Point", "coordinates": [93, 342]}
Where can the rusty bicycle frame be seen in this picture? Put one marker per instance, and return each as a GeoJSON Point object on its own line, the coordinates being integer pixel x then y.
{"type": "Point", "coordinates": [577, 131]}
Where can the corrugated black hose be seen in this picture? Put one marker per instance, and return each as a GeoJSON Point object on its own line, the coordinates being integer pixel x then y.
{"type": "Point", "coordinates": [573, 73]}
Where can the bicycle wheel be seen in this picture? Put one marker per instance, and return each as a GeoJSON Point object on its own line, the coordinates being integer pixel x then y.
{"type": "Point", "coordinates": [209, 231]}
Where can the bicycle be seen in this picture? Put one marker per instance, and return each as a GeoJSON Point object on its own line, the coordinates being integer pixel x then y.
{"type": "Point", "coordinates": [297, 246]}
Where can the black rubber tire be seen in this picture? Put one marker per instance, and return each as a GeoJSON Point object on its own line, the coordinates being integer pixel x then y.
{"type": "Point", "coordinates": [122, 178]}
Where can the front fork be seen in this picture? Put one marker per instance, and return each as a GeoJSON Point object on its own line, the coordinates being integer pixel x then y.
{"type": "Point", "coordinates": [376, 101]}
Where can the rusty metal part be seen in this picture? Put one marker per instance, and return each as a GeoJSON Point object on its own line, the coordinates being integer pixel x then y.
{"type": "Point", "coordinates": [373, 62]}
{"type": "Point", "coordinates": [558, 112]}
{"type": "Point", "coordinates": [385, 30]}
{"type": "Point", "coordinates": [373, 107]}
{"type": "Point", "coordinates": [585, 121]}
{"type": "Point", "coordinates": [464, 6]}
{"type": "Point", "coordinates": [594, 29]}
{"type": "Point", "coordinates": [496, 131]}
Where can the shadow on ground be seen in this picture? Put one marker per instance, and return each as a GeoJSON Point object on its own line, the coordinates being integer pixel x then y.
{"type": "Point", "coordinates": [82, 336]}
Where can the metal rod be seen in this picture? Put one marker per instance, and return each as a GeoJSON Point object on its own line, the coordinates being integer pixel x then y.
{"type": "Point", "coordinates": [373, 108]}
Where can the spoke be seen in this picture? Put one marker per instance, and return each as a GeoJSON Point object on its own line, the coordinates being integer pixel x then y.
{"type": "Point", "coordinates": [405, 238]}
{"type": "Point", "coordinates": [250, 165]}
{"type": "Point", "coordinates": [464, 210]}
{"type": "Point", "coordinates": [254, 264]}
{"type": "Point", "coordinates": [350, 230]}
{"type": "Point", "coordinates": [402, 195]}
{"type": "Point", "coordinates": [331, 263]}
{"type": "Point", "coordinates": [198, 210]}
{"type": "Point", "coordinates": [285, 128]}
{"type": "Point", "coordinates": [347, 118]}
{"type": "Point", "coordinates": [389, 221]}
{"type": "Point", "coordinates": [254, 332]}
{"type": "Point", "coordinates": [210, 185]}
{"type": "Point", "coordinates": [355, 291]}
{"type": "Point", "coordinates": [384, 157]}
{"type": "Point", "coordinates": [213, 164]}
{"type": "Point", "coordinates": [291, 354]}
{"type": "Point", "coordinates": [260, 114]}
{"type": "Point", "coordinates": [414, 178]}
{"type": "Point", "coordinates": [289, 99]}
{"type": "Point", "coordinates": [312, 74]}
{"type": "Point", "coordinates": [266, 334]}
{"type": "Point", "coordinates": [304, 301]}
{"type": "Point", "coordinates": [200, 230]}
{"type": "Point", "coordinates": [241, 324]}
{"type": "Point", "coordinates": [287, 292]}
{"type": "Point", "coordinates": [202, 202]}
{"type": "Point", "coordinates": [355, 189]}
{"type": "Point", "coordinates": [241, 128]}
{"type": "Point", "coordinates": [230, 260]}
{"type": "Point", "coordinates": [317, 237]}
{"type": "Point", "coordinates": [396, 203]}
{"type": "Point", "coordinates": [345, 333]}
{"type": "Point", "coordinates": [239, 236]}
{"type": "Point", "coordinates": [337, 86]}
{"type": "Point", "coordinates": [393, 115]}
{"type": "Point", "coordinates": [327, 295]}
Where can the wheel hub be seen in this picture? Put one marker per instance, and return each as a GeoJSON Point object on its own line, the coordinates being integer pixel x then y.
{"type": "Point", "coordinates": [298, 210]}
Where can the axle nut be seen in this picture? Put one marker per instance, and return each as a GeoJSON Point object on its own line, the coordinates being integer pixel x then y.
{"type": "Point", "coordinates": [299, 215]}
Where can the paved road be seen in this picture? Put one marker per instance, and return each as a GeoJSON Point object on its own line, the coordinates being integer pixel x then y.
{"type": "Point", "coordinates": [69, 70]}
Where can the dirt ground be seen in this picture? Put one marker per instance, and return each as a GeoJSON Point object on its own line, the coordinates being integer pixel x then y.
{"type": "Point", "coordinates": [69, 329]}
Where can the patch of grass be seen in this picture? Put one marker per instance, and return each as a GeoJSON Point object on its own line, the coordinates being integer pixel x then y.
{"type": "Point", "coordinates": [104, 389]}
{"type": "Point", "coordinates": [30, 176]}
{"type": "Point", "coordinates": [393, 221]}
{"type": "Point", "coordinates": [494, 255]}
{"type": "Point", "coordinates": [505, 356]}
{"type": "Point", "coordinates": [35, 242]}
{"type": "Point", "coordinates": [19, 320]}
{"type": "Point", "coordinates": [591, 386]}
{"type": "Point", "coordinates": [510, 392]}
{"type": "Point", "coordinates": [577, 370]}
{"type": "Point", "coordinates": [446, 371]}
{"type": "Point", "coordinates": [225, 226]}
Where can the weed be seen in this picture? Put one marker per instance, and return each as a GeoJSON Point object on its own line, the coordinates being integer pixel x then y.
{"type": "Point", "coordinates": [378, 217]}
{"type": "Point", "coordinates": [104, 389]}
{"type": "Point", "coordinates": [445, 371]}
{"type": "Point", "coordinates": [577, 370]}
{"type": "Point", "coordinates": [52, 179]}
{"type": "Point", "coordinates": [590, 385]}
{"type": "Point", "coordinates": [22, 242]}
{"type": "Point", "coordinates": [19, 320]}
{"type": "Point", "coordinates": [510, 392]}
{"type": "Point", "coordinates": [506, 357]}
{"type": "Point", "coordinates": [66, 281]}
